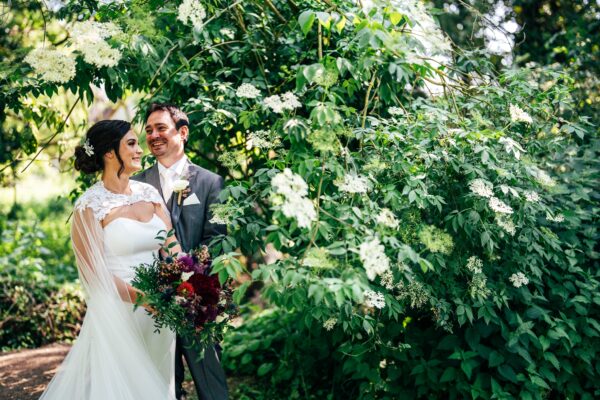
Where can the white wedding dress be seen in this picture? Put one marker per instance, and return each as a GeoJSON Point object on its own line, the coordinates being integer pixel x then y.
{"type": "Point", "coordinates": [117, 355]}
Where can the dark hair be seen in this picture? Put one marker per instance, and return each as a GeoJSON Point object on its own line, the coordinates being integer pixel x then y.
{"type": "Point", "coordinates": [103, 137]}
{"type": "Point", "coordinates": [179, 117]}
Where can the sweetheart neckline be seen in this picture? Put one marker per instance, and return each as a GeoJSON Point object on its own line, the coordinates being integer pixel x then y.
{"type": "Point", "coordinates": [133, 220]}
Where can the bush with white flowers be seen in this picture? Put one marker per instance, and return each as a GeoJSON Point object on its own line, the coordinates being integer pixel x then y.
{"type": "Point", "coordinates": [417, 230]}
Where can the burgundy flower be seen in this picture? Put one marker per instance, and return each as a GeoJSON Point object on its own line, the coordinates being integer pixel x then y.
{"type": "Point", "coordinates": [207, 287]}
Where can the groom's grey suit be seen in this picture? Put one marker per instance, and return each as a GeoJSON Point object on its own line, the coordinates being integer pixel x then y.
{"type": "Point", "coordinates": [193, 228]}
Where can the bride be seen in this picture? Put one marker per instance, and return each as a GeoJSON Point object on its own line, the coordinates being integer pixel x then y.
{"type": "Point", "coordinates": [117, 355]}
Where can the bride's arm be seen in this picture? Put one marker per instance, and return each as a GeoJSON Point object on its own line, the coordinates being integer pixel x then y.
{"type": "Point", "coordinates": [159, 210]}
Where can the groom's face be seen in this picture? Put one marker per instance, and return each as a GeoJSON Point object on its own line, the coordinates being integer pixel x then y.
{"type": "Point", "coordinates": [163, 139]}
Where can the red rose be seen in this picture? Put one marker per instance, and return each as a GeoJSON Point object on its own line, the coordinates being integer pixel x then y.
{"type": "Point", "coordinates": [186, 289]}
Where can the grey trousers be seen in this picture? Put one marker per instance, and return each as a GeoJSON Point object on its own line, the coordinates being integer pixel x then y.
{"type": "Point", "coordinates": [208, 375]}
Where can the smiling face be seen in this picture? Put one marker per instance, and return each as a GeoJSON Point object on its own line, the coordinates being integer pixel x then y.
{"type": "Point", "coordinates": [130, 153]}
{"type": "Point", "coordinates": [164, 140]}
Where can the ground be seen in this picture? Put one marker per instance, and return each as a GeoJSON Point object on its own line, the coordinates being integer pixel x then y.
{"type": "Point", "coordinates": [24, 374]}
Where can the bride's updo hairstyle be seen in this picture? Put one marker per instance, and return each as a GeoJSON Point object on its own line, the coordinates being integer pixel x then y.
{"type": "Point", "coordinates": [100, 139]}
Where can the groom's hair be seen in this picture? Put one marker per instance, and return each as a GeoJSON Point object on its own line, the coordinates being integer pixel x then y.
{"type": "Point", "coordinates": [179, 117]}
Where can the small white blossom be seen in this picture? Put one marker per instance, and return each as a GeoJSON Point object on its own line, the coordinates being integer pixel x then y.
{"type": "Point", "coordinates": [519, 279]}
{"type": "Point", "coordinates": [374, 299]}
{"type": "Point", "coordinates": [101, 54]}
{"type": "Point", "coordinates": [296, 205]}
{"type": "Point", "coordinates": [179, 299]}
{"type": "Point", "coordinates": [289, 184]}
{"type": "Point", "coordinates": [186, 275]}
{"type": "Point", "coordinates": [330, 323]}
{"type": "Point", "coordinates": [518, 115]}
{"type": "Point", "coordinates": [290, 101]}
{"type": "Point", "coordinates": [261, 140]}
{"type": "Point", "coordinates": [382, 363]}
{"type": "Point", "coordinates": [88, 38]}
{"type": "Point", "coordinates": [52, 65]}
{"type": "Point", "coordinates": [387, 280]}
{"type": "Point", "coordinates": [532, 196]}
{"type": "Point", "coordinates": [354, 184]}
{"type": "Point", "coordinates": [499, 206]}
{"type": "Point", "coordinates": [481, 188]}
{"type": "Point", "coordinates": [375, 261]}
{"type": "Point", "coordinates": [556, 218]}
{"type": "Point", "coordinates": [248, 91]}
{"type": "Point", "coordinates": [287, 101]}
{"type": "Point", "coordinates": [475, 265]}
{"type": "Point", "coordinates": [512, 147]}
{"type": "Point", "coordinates": [543, 178]}
{"type": "Point", "coordinates": [395, 111]}
{"type": "Point", "coordinates": [301, 209]}
{"type": "Point", "coordinates": [193, 12]}
{"type": "Point", "coordinates": [506, 223]}
{"type": "Point", "coordinates": [387, 218]}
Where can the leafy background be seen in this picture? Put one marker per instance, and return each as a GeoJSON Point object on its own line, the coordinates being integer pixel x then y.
{"type": "Point", "coordinates": [417, 120]}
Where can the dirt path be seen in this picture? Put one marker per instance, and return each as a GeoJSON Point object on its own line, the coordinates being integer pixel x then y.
{"type": "Point", "coordinates": [24, 374]}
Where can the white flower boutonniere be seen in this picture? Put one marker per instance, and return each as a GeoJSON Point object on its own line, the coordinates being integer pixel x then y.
{"type": "Point", "coordinates": [179, 186]}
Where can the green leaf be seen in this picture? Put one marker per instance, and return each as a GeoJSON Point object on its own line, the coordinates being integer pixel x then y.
{"type": "Point", "coordinates": [264, 369]}
{"type": "Point", "coordinates": [306, 21]}
{"type": "Point", "coordinates": [395, 18]}
{"type": "Point", "coordinates": [495, 359]}
{"type": "Point", "coordinates": [448, 375]}
{"type": "Point", "coordinates": [239, 293]}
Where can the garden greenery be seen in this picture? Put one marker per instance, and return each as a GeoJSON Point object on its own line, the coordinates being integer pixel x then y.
{"type": "Point", "coordinates": [430, 221]}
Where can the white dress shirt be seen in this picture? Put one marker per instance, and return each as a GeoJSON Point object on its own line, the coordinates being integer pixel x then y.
{"type": "Point", "coordinates": [169, 175]}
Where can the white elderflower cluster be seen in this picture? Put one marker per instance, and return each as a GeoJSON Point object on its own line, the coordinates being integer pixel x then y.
{"type": "Point", "coordinates": [556, 218]}
{"type": "Point", "coordinates": [387, 218]}
{"type": "Point", "coordinates": [519, 279]}
{"type": "Point", "coordinates": [261, 139]}
{"type": "Point", "coordinates": [374, 299]}
{"type": "Point", "coordinates": [518, 115]}
{"type": "Point", "coordinates": [478, 286]}
{"type": "Point", "coordinates": [475, 265]}
{"type": "Point", "coordinates": [247, 91]}
{"type": "Point", "coordinates": [387, 280]}
{"type": "Point", "coordinates": [52, 65]}
{"type": "Point", "coordinates": [192, 12]}
{"type": "Point", "coordinates": [88, 38]}
{"type": "Point", "coordinates": [372, 255]}
{"type": "Point", "coordinates": [330, 323]}
{"type": "Point", "coordinates": [222, 213]}
{"type": "Point", "coordinates": [532, 196]}
{"type": "Point", "coordinates": [481, 188]}
{"type": "Point", "coordinates": [543, 178]}
{"type": "Point", "coordinates": [287, 101]}
{"type": "Point", "coordinates": [354, 184]}
{"type": "Point", "coordinates": [512, 147]}
{"type": "Point", "coordinates": [499, 206]}
{"type": "Point", "coordinates": [395, 111]}
{"type": "Point", "coordinates": [506, 224]}
{"type": "Point", "coordinates": [295, 205]}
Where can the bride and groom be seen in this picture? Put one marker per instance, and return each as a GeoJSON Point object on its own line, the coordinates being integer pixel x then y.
{"type": "Point", "coordinates": [118, 355]}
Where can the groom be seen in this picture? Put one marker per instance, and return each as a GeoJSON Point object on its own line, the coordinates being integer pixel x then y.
{"type": "Point", "coordinates": [167, 129]}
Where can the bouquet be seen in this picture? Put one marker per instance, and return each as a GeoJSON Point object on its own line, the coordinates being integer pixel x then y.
{"type": "Point", "coordinates": [185, 297]}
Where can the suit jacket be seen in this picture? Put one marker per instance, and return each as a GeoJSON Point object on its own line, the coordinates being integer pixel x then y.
{"type": "Point", "coordinates": [191, 222]}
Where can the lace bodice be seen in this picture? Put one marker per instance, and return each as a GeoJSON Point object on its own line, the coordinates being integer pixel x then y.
{"type": "Point", "coordinates": [102, 201]}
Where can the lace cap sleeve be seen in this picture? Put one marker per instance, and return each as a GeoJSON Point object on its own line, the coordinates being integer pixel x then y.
{"type": "Point", "coordinates": [101, 201]}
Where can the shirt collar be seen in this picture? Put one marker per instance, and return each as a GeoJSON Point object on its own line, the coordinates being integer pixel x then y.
{"type": "Point", "coordinates": [176, 168]}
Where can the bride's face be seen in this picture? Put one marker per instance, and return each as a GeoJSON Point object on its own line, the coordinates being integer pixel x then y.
{"type": "Point", "coordinates": [130, 153]}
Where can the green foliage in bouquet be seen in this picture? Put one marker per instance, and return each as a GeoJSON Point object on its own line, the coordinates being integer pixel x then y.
{"type": "Point", "coordinates": [184, 295]}
{"type": "Point", "coordinates": [430, 222]}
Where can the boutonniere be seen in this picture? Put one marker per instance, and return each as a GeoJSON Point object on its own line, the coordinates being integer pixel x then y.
{"type": "Point", "coordinates": [180, 186]}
